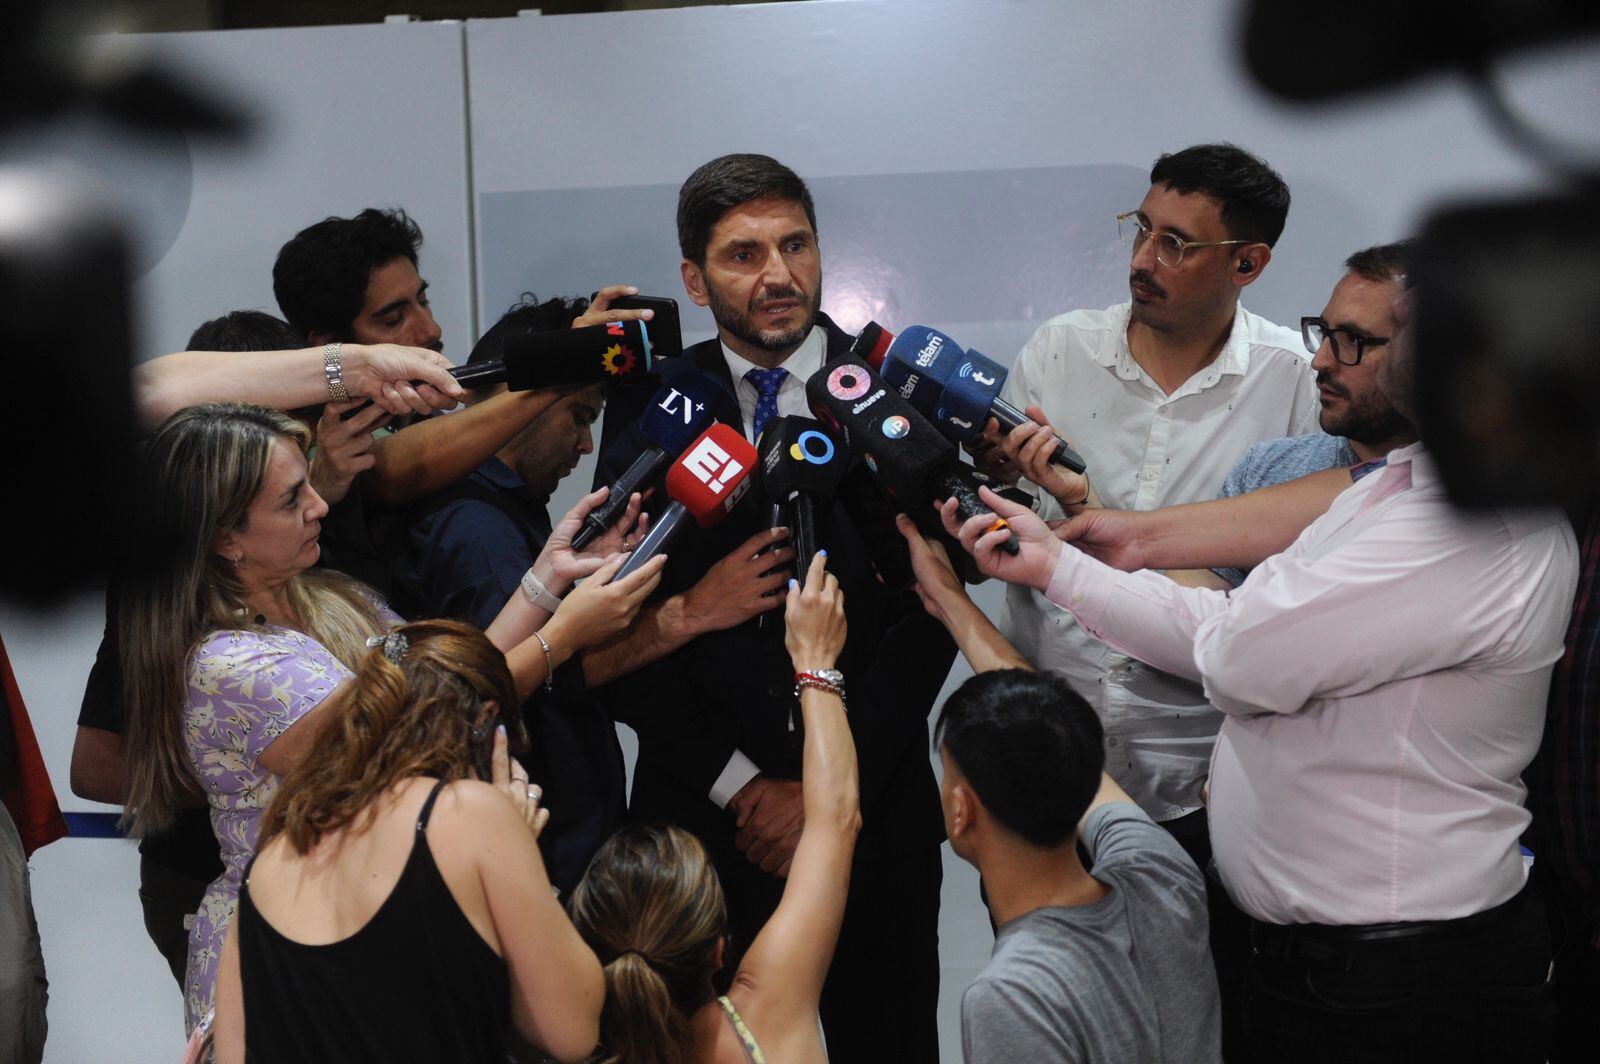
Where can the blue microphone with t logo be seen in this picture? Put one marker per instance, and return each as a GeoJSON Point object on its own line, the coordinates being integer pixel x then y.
{"type": "Point", "coordinates": [956, 389]}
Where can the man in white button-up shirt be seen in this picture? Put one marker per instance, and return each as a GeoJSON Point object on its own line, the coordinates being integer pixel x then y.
{"type": "Point", "coordinates": [1383, 683]}
{"type": "Point", "coordinates": [1161, 396]}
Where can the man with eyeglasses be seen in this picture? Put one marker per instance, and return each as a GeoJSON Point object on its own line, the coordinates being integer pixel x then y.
{"type": "Point", "coordinates": [1360, 426]}
{"type": "Point", "coordinates": [1384, 681]}
{"type": "Point", "coordinates": [1161, 395]}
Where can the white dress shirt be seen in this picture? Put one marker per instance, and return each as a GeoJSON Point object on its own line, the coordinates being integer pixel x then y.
{"type": "Point", "coordinates": [801, 364]}
{"type": "Point", "coordinates": [1146, 449]}
{"type": "Point", "coordinates": [1384, 684]}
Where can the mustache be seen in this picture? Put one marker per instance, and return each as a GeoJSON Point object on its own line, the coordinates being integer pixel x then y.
{"type": "Point", "coordinates": [1325, 380]}
{"type": "Point", "coordinates": [791, 293]}
{"type": "Point", "coordinates": [1143, 277]}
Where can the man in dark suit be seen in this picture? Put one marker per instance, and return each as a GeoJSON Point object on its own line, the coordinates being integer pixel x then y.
{"type": "Point", "coordinates": [719, 733]}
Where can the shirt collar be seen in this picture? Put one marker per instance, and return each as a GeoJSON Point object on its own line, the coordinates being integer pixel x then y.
{"type": "Point", "coordinates": [500, 475]}
{"type": "Point", "coordinates": [1234, 358]}
{"type": "Point", "coordinates": [1417, 455]}
{"type": "Point", "coordinates": [801, 363]}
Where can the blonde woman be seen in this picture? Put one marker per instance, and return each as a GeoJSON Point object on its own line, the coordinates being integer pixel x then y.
{"type": "Point", "coordinates": [653, 910]}
{"type": "Point", "coordinates": [232, 643]}
{"type": "Point", "coordinates": [398, 908]}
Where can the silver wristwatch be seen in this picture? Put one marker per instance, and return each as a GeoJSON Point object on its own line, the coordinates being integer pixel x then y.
{"type": "Point", "coordinates": [334, 370]}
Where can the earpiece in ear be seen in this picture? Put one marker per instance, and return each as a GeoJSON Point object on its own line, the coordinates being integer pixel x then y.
{"type": "Point", "coordinates": [1246, 266]}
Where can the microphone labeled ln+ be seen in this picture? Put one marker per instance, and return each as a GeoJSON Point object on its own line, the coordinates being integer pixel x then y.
{"type": "Point", "coordinates": [704, 484]}
{"type": "Point", "coordinates": [679, 411]}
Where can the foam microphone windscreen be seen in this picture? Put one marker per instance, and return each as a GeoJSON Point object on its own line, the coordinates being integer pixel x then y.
{"type": "Point", "coordinates": [799, 454]}
{"type": "Point", "coordinates": [952, 387]}
{"type": "Point", "coordinates": [895, 442]}
{"type": "Point", "coordinates": [593, 354]}
{"type": "Point", "coordinates": [682, 409]}
{"type": "Point", "coordinates": [713, 474]}
{"type": "Point", "coordinates": [871, 345]}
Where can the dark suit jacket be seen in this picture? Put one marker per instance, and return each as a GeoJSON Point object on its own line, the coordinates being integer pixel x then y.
{"type": "Point", "coordinates": [734, 689]}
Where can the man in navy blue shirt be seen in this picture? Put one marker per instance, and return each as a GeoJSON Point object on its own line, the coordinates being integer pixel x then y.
{"type": "Point", "coordinates": [466, 549]}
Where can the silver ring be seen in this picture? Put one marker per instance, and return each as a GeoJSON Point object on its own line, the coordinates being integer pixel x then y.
{"type": "Point", "coordinates": [534, 793]}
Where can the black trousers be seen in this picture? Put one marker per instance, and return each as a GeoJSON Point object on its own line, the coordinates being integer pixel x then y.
{"type": "Point", "coordinates": [168, 896]}
{"type": "Point", "coordinates": [1473, 990]}
{"type": "Point", "coordinates": [1229, 931]}
{"type": "Point", "coordinates": [1574, 922]}
{"type": "Point", "coordinates": [881, 998]}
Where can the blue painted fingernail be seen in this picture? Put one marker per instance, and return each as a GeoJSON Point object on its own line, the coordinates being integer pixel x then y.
{"type": "Point", "coordinates": [823, 552]}
{"type": "Point", "coordinates": [501, 729]}
{"type": "Point", "coordinates": [793, 583]}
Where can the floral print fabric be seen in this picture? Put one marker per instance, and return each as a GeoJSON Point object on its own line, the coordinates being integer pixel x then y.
{"type": "Point", "coordinates": [245, 688]}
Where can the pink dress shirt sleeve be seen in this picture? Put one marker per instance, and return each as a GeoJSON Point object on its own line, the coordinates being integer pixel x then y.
{"type": "Point", "coordinates": [1142, 614]}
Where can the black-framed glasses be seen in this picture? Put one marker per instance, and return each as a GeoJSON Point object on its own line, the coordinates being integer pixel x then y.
{"type": "Point", "coordinates": [1169, 246]}
{"type": "Point", "coordinates": [1348, 347]}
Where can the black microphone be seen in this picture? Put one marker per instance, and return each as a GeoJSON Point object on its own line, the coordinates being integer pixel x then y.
{"type": "Point", "coordinates": [678, 412]}
{"type": "Point", "coordinates": [801, 466]}
{"type": "Point", "coordinates": [955, 389]}
{"type": "Point", "coordinates": [912, 461]}
{"type": "Point", "coordinates": [706, 481]}
{"type": "Point", "coordinates": [557, 358]}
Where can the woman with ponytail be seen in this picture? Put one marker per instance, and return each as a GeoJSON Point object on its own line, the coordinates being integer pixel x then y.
{"type": "Point", "coordinates": [398, 909]}
{"type": "Point", "coordinates": [651, 906]}
{"type": "Point", "coordinates": [234, 648]}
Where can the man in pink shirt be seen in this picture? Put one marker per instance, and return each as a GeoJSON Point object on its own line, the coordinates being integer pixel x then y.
{"type": "Point", "coordinates": [1383, 682]}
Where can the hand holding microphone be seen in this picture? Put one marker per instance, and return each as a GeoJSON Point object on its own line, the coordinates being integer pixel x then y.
{"type": "Point", "coordinates": [705, 483]}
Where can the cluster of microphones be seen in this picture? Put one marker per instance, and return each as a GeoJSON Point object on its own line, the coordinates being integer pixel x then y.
{"type": "Point", "coordinates": [899, 405]}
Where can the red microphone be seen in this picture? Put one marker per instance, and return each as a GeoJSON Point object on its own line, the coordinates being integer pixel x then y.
{"type": "Point", "coordinates": [705, 483]}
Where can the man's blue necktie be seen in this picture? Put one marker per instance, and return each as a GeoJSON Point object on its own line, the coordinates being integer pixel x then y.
{"type": "Point", "coordinates": [767, 382]}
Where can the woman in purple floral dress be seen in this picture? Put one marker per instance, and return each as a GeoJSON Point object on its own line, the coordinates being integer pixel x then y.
{"type": "Point", "coordinates": [237, 651]}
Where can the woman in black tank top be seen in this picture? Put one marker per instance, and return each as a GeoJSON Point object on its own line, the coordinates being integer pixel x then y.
{"type": "Point", "coordinates": [333, 957]}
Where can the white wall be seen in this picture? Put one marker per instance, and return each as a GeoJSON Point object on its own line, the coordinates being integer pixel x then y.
{"type": "Point", "coordinates": [965, 158]}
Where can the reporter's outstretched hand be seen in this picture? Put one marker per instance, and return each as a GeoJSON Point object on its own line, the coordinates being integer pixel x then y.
{"type": "Point", "coordinates": [595, 610]}
{"type": "Point", "coordinates": [600, 311]}
{"type": "Point", "coordinates": [813, 615]}
{"type": "Point", "coordinates": [559, 566]}
{"type": "Point", "coordinates": [1112, 536]}
{"type": "Point", "coordinates": [937, 582]}
{"type": "Point", "coordinates": [402, 380]}
{"type": "Point", "coordinates": [1030, 446]}
{"type": "Point", "coordinates": [1037, 546]}
{"type": "Point", "coordinates": [344, 446]}
{"type": "Point", "coordinates": [511, 780]}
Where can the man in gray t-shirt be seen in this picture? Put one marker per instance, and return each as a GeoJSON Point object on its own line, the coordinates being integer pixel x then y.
{"type": "Point", "coordinates": [1124, 978]}
{"type": "Point", "coordinates": [1105, 963]}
